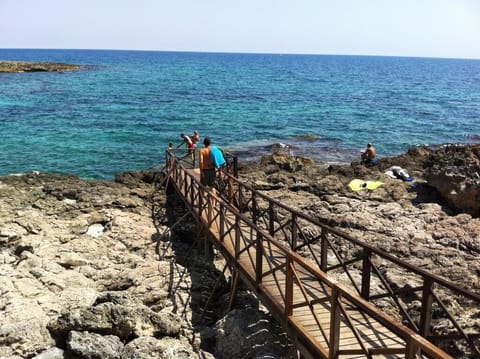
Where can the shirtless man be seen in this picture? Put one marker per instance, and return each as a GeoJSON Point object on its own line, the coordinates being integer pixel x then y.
{"type": "Point", "coordinates": [207, 169]}
{"type": "Point", "coordinates": [187, 141]}
{"type": "Point", "coordinates": [369, 155]}
{"type": "Point", "coordinates": [190, 145]}
{"type": "Point", "coordinates": [195, 137]}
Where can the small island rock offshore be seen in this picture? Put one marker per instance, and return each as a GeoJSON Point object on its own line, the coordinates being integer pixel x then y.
{"type": "Point", "coordinates": [27, 66]}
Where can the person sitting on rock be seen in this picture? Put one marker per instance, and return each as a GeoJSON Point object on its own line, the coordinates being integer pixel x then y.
{"type": "Point", "coordinates": [369, 156]}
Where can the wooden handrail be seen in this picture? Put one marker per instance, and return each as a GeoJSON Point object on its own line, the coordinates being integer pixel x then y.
{"type": "Point", "coordinates": [385, 255]}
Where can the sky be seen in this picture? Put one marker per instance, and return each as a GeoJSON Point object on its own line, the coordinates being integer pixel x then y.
{"type": "Point", "coordinates": [421, 28]}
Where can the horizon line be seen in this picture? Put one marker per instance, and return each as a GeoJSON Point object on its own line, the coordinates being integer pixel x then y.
{"type": "Point", "coordinates": [240, 52]}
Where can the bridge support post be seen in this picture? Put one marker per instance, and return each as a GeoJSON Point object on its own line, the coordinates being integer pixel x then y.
{"type": "Point", "coordinates": [288, 288]}
{"type": "Point", "coordinates": [366, 273]}
{"type": "Point", "coordinates": [294, 233]}
{"type": "Point", "coordinates": [233, 292]}
{"type": "Point", "coordinates": [259, 258]}
{"type": "Point", "coordinates": [271, 217]}
{"type": "Point", "coordinates": [323, 250]}
{"type": "Point", "coordinates": [334, 345]}
{"type": "Point", "coordinates": [207, 249]}
{"type": "Point", "coordinates": [426, 313]}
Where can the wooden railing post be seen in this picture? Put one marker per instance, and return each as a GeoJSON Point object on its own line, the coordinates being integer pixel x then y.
{"type": "Point", "coordinates": [366, 273]}
{"type": "Point", "coordinates": [288, 289]}
{"type": "Point", "coordinates": [411, 350]}
{"type": "Point", "coordinates": [235, 167]}
{"type": "Point", "coordinates": [259, 258]}
{"type": "Point", "coordinates": [192, 191]}
{"type": "Point", "coordinates": [209, 209]}
{"type": "Point", "coordinates": [185, 187]}
{"type": "Point", "coordinates": [237, 238]}
{"type": "Point", "coordinates": [222, 222]}
{"type": "Point", "coordinates": [293, 243]}
{"type": "Point", "coordinates": [323, 250]}
{"type": "Point", "coordinates": [201, 197]}
{"type": "Point", "coordinates": [426, 311]}
{"type": "Point", "coordinates": [240, 198]}
{"type": "Point", "coordinates": [254, 208]}
{"type": "Point", "coordinates": [230, 189]}
{"type": "Point", "coordinates": [334, 344]}
{"type": "Point", "coordinates": [271, 219]}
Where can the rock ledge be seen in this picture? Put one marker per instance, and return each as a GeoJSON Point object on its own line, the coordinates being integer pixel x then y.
{"type": "Point", "coordinates": [27, 66]}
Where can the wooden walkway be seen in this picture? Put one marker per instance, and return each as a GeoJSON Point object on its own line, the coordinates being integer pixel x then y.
{"type": "Point", "coordinates": [324, 319]}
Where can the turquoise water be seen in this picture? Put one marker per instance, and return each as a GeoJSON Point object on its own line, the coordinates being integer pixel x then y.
{"type": "Point", "coordinates": [120, 112]}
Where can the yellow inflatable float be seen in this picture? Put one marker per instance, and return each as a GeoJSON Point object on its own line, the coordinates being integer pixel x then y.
{"type": "Point", "coordinates": [358, 184]}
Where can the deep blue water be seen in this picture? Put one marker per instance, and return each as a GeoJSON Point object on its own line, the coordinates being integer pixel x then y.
{"type": "Point", "coordinates": [120, 113]}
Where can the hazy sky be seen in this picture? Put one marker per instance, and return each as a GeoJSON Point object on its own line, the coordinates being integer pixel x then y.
{"type": "Point", "coordinates": [432, 28]}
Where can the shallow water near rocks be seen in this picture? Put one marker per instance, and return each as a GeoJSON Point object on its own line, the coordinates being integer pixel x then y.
{"type": "Point", "coordinates": [122, 111]}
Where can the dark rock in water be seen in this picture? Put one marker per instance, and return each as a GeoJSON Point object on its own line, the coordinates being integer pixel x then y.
{"type": "Point", "coordinates": [27, 66]}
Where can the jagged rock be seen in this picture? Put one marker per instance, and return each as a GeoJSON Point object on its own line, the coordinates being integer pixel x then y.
{"type": "Point", "coordinates": [93, 346]}
{"type": "Point", "coordinates": [248, 334]}
{"type": "Point", "coordinates": [286, 162]}
{"type": "Point", "coordinates": [51, 353]}
{"type": "Point", "coordinates": [49, 265]}
{"type": "Point", "coordinates": [25, 338]}
{"type": "Point", "coordinates": [119, 320]}
{"type": "Point", "coordinates": [106, 318]}
{"type": "Point", "coordinates": [166, 348]}
{"type": "Point", "coordinates": [455, 172]}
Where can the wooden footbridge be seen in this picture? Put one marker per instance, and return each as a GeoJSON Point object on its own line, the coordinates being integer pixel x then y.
{"type": "Point", "coordinates": [331, 292]}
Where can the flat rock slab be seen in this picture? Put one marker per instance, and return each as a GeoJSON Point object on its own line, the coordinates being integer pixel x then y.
{"type": "Point", "coordinates": [26, 66]}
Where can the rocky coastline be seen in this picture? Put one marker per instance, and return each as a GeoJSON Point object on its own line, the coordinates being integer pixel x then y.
{"type": "Point", "coordinates": [29, 66]}
{"type": "Point", "coordinates": [110, 269]}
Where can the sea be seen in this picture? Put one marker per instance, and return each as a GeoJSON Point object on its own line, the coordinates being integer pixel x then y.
{"type": "Point", "coordinates": [123, 109]}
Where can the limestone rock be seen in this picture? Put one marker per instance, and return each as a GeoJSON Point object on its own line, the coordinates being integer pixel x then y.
{"type": "Point", "coordinates": [167, 348]}
{"type": "Point", "coordinates": [51, 353]}
{"type": "Point", "coordinates": [286, 162]}
{"type": "Point", "coordinates": [455, 172]}
{"type": "Point", "coordinates": [25, 338]}
{"type": "Point", "coordinates": [237, 337]}
{"type": "Point", "coordinates": [93, 346]}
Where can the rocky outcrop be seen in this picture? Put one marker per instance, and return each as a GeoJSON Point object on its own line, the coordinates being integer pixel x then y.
{"type": "Point", "coordinates": [411, 220]}
{"type": "Point", "coordinates": [455, 172]}
{"type": "Point", "coordinates": [285, 162]}
{"type": "Point", "coordinates": [91, 269]}
{"type": "Point", "coordinates": [26, 66]}
{"type": "Point", "coordinates": [238, 338]}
